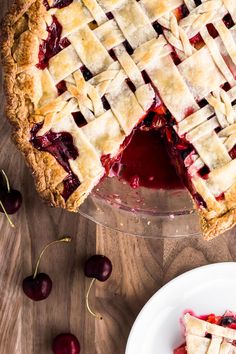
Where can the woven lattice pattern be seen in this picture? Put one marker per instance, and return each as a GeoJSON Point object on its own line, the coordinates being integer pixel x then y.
{"type": "Point", "coordinates": [116, 60]}
{"type": "Point", "coordinates": [205, 338]}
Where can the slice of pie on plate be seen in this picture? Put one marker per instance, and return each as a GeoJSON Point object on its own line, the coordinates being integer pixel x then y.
{"type": "Point", "coordinates": [81, 75]}
{"type": "Point", "coordinates": [209, 334]}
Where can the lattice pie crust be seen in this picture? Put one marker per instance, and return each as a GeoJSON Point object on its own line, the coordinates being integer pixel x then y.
{"type": "Point", "coordinates": [219, 340]}
{"type": "Point", "coordinates": [96, 33]}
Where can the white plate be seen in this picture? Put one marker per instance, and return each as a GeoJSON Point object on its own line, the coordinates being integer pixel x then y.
{"type": "Point", "coordinates": [205, 290]}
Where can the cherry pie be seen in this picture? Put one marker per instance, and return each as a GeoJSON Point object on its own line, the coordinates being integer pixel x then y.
{"type": "Point", "coordinates": [81, 75]}
{"type": "Point", "coordinates": [209, 334]}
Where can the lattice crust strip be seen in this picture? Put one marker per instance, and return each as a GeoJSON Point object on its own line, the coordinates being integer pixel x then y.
{"type": "Point", "coordinates": [220, 341]}
{"type": "Point", "coordinates": [115, 43]}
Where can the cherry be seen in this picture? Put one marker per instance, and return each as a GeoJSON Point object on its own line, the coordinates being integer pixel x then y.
{"type": "Point", "coordinates": [2, 184]}
{"type": "Point", "coordinates": [66, 343]}
{"type": "Point", "coordinates": [227, 321]}
{"type": "Point", "coordinates": [39, 285]}
{"type": "Point", "coordinates": [38, 288]}
{"type": "Point", "coordinates": [99, 268]}
{"type": "Point", "coordinates": [10, 199]}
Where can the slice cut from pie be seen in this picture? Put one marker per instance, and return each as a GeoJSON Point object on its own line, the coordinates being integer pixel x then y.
{"type": "Point", "coordinates": [209, 334]}
{"type": "Point", "coordinates": [81, 75]}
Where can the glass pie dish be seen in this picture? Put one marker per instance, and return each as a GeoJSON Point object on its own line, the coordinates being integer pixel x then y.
{"type": "Point", "coordinates": [150, 213]}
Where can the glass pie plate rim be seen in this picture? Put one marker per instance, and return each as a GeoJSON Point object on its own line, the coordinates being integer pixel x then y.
{"type": "Point", "coordinates": [144, 212]}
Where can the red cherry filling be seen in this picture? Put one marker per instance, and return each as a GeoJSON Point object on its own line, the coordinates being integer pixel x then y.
{"type": "Point", "coordinates": [61, 87]}
{"type": "Point", "coordinates": [198, 2]}
{"type": "Point", "coordinates": [157, 27]}
{"type": "Point", "coordinates": [52, 45]}
{"type": "Point", "coordinates": [71, 183]}
{"type": "Point", "coordinates": [196, 40]}
{"type": "Point", "coordinates": [181, 12]}
{"type": "Point", "coordinates": [79, 119]}
{"type": "Point", "coordinates": [57, 3]}
{"type": "Point", "coordinates": [61, 3]}
{"type": "Point", "coordinates": [228, 21]}
{"type": "Point", "coordinates": [233, 153]}
{"type": "Point", "coordinates": [128, 47]}
{"type": "Point", "coordinates": [212, 30]}
{"type": "Point", "coordinates": [180, 350]}
{"type": "Point", "coordinates": [145, 162]}
{"type": "Point", "coordinates": [61, 146]}
{"type": "Point", "coordinates": [46, 4]}
{"type": "Point", "coordinates": [227, 320]}
{"type": "Point", "coordinates": [86, 73]}
{"type": "Point", "coordinates": [143, 159]}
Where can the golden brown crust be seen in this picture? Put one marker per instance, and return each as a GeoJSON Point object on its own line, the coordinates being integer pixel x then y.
{"type": "Point", "coordinates": [20, 38]}
{"type": "Point", "coordinates": [216, 226]}
{"type": "Point", "coordinates": [47, 173]}
{"type": "Point", "coordinates": [21, 30]}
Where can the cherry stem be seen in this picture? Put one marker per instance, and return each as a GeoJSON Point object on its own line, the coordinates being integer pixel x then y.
{"type": "Point", "coordinates": [64, 239]}
{"type": "Point", "coordinates": [7, 181]}
{"type": "Point", "coordinates": [87, 301]}
{"type": "Point", "coordinates": [5, 212]}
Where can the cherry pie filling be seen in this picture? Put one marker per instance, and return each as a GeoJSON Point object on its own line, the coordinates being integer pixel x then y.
{"type": "Point", "coordinates": [227, 320]}
{"type": "Point", "coordinates": [146, 157]}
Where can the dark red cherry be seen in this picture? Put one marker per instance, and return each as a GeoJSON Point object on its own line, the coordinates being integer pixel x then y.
{"type": "Point", "coordinates": [39, 285]}
{"type": "Point", "coordinates": [226, 321]}
{"type": "Point", "coordinates": [38, 288]}
{"type": "Point", "coordinates": [66, 343]}
{"type": "Point", "coordinates": [3, 187]}
{"type": "Point", "coordinates": [98, 267]}
{"type": "Point", "coordinates": [11, 201]}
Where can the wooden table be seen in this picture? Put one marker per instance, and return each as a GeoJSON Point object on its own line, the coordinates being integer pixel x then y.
{"type": "Point", "coordinates": [141, 267]}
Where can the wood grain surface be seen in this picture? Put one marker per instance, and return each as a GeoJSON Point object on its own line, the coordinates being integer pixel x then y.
{"type": "Point", "coordinates": [141, 267]}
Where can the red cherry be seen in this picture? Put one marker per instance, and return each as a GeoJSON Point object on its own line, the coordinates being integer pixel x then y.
{"type": "Point", "coordinates": [98, 267]}
{"type": "Point", "coordinates": [11, 201]}
{"type": "Point", "coordinates": [66, 343]}
{"type": "Point", "coordinates": [38, 288]}
{"type": "Point", "coordinates": [3, 187]}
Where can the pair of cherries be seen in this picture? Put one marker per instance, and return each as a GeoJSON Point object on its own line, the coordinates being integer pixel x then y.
{"type": "Point", "coordinates": [10, 199]}
{"type": "Point", "coordinates": [39, 285]}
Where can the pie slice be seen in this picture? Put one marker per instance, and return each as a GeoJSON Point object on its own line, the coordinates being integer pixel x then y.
{"type": "Point", "coordinates": [209, 334]}
{"type": "Point", "coordinates": [81, 75]}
